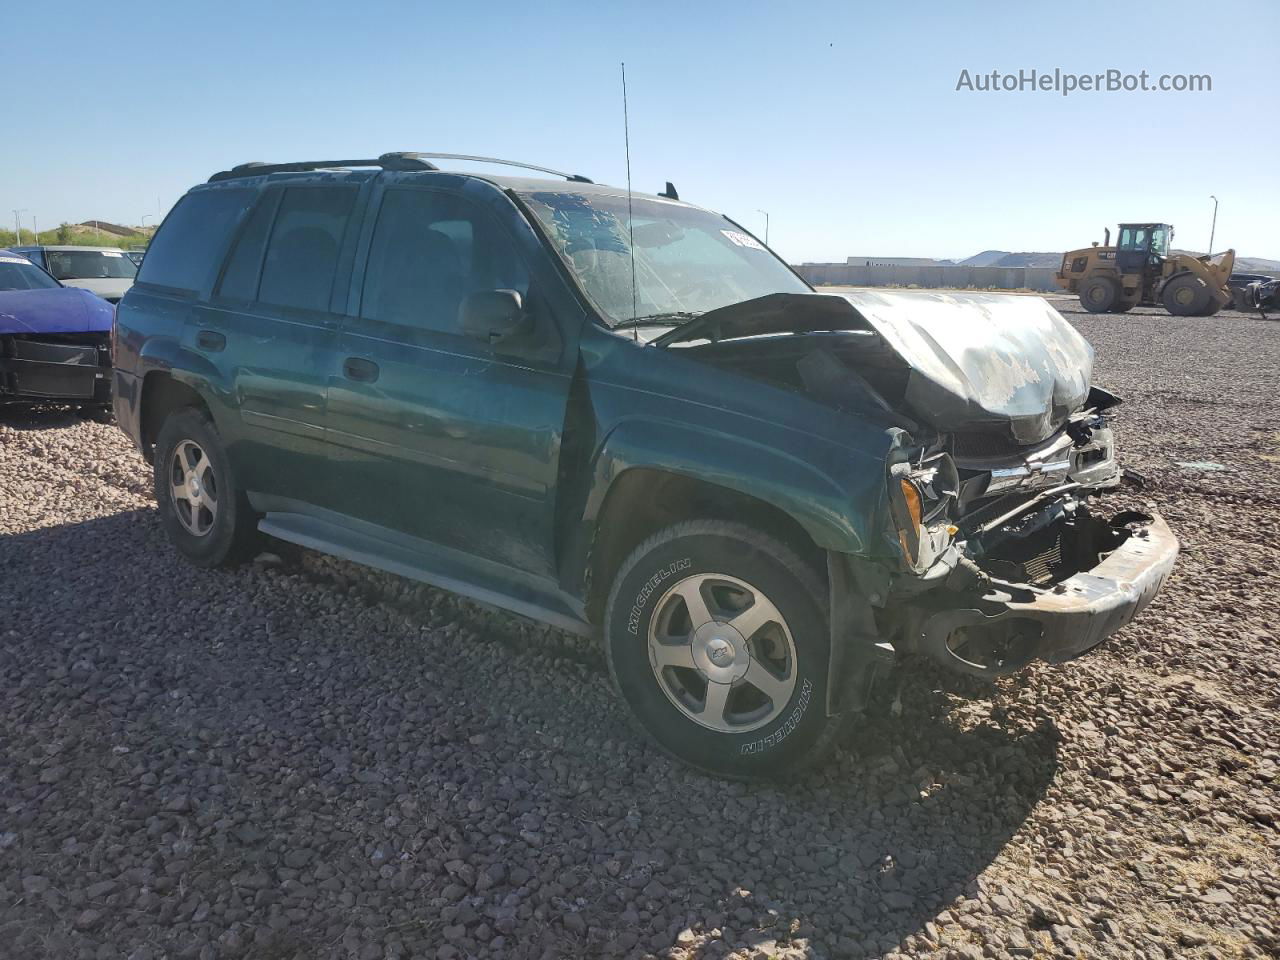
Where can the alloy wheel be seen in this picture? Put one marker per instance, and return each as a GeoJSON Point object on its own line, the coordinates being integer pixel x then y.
{"type": "Point", "coordinates": [722, 653]}
{"type": "Point", "coordinates": [194, 488]}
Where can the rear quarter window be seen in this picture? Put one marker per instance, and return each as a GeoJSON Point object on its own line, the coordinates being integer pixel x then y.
{"type": "Point", "coordinates": [188, 246]}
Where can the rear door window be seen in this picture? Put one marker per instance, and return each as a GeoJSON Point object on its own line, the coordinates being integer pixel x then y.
{"type": "Point", "coordinates": [189, 243]}
{"type": "Point", "coordinates": [302, 254]}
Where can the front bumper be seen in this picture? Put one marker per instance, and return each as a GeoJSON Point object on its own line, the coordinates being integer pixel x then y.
{"type": "Point", "coordinates": [1006, 625]}
{"type": "Point", "coordinates": [59, 368]}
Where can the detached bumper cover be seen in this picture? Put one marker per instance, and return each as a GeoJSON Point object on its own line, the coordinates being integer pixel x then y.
{"type": "Point", "coordinates": [74, 368]}
{"type": "Point", "coordinates": [1062, 622]}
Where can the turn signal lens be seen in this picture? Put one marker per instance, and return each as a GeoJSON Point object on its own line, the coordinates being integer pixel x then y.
{"type": "Point", "coordinates": [912, 497]}
{"type": "Point", "coordinates": [910, 537]}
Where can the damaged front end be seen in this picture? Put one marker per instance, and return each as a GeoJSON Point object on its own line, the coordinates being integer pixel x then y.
{"type": "Point", "coordinates": [1051, 585]}
{"type": "Point", "coordinates": [1017, 559]}
{"type": "Point", "coordinates": [1001, 550]}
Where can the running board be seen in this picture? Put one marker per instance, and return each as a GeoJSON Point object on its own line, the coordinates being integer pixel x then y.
{"type": "Point", "coordinates": [467, 576]}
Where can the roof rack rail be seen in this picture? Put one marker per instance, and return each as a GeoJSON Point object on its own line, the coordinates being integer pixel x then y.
{"type": "Point", "coordinates": [400, 160]}
{"type": "Point", "coordinates": [573, 177]}
{"type": "Point", "coordinates": [388, 161]}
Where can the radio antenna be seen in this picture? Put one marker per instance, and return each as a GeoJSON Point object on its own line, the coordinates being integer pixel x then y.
{"type": "Point", "coordinates": [631, 231]}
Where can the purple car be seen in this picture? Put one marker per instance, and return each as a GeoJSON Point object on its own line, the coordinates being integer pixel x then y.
{"type": "Point", "coordinates": [54, 340]}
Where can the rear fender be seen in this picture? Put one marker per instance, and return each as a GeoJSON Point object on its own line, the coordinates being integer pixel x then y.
{"type": "Point", "coordinates": [168, 357]}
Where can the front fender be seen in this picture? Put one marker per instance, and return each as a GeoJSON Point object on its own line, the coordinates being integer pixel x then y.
{"type": "Point", "coordinates": [835, 495]}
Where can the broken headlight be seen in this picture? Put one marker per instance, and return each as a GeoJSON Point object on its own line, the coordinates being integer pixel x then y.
{"type": "Point", "coordinates": [922, 498]}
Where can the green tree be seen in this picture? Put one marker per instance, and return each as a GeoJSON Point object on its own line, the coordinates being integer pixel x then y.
{"type": "Point", "coordinates": [64, 233]}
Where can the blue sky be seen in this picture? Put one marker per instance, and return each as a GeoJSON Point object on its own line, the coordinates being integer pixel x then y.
{"type": "Point", "coordinates": [842, 120]}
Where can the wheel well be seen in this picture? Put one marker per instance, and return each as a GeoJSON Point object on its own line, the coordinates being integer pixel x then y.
{"type": "Point", "coordinates": [161, 395]}
{"type": "Point", "coordinates": [643, 500]}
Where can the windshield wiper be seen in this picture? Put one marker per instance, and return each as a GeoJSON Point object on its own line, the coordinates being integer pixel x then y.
{"type": "Point", "coordinates": [654, 319]}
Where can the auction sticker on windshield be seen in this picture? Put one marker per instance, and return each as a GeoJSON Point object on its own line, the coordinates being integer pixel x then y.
{"type": "Point", "coordinates": [739, 239]}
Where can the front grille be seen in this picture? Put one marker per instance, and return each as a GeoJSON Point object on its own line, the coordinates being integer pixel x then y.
{"type": "Point", "coordinates": [1045, 565]}
{"type": "Point", "coordinates": [984, 446]}
{"type": "Point", "coordinates": [1035, 557]}
{"type": "Point", "coordinates": [44, 352]}
{"type": "Point", "coordinates": [55, 367]}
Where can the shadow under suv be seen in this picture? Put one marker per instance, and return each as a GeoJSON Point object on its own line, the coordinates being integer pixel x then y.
{"type": "Point", "coordinates": [626, 417]}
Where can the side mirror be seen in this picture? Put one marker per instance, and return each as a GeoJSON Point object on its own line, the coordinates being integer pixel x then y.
{"type": "Point", "coordinates": [490, 315]}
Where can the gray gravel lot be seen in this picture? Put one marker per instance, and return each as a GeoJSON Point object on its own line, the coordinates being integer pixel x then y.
{"type": "Point", "coordinates": [302, 758]}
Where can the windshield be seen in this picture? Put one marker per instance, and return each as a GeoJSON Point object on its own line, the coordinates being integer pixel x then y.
{"type": "Point", "coordinates": [90, 265]}
{"type": "Point", "coordinates": [687, 261]}
{"type": "Point", "coordinates": [19, 274]}
{"type": "Point", "coordinates": [1159, 242]}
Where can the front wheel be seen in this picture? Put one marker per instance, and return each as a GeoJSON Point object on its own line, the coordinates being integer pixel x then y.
{"type": "Point", "coordinates": [1186, 295]}
{"type": "Point", "coordinates": [717, 636]}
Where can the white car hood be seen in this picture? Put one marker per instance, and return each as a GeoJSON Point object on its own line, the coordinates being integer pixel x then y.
{"type": "Point", "coordinates": [111, 288]}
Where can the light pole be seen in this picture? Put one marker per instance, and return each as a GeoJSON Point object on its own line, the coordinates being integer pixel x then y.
{"type": "Point", "coordinates": [766, 225]}
{"type": "Point", "coordinates": [17, 226]}
{"type": "Point", "coordinates": [144, 220]}
{"type": "Point", "coordinates": [1214, 227]}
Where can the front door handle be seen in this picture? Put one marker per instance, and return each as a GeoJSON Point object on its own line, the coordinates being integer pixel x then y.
{"type": "Point", "coordinates": [358, 368]}
{"type": "Point", "coordinates": [211, 340]}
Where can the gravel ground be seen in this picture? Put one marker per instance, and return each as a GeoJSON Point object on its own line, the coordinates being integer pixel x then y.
{"type": "Point", "coordinates": [305, 759]}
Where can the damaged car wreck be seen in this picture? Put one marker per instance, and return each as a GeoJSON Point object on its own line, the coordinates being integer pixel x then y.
{"type": "Point", "coordinates": [626, 417]}
{"type": "Point", "coordinates": [53, 340]}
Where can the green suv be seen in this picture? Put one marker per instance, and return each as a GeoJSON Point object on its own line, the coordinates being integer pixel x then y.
{"type": "Point", "coordinates": [626, 417]}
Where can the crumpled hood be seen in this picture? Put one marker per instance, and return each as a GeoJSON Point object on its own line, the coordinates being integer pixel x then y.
{"type": "Point", "coordinates": [64, 310]}
{"type": "Point", "coordinates": [976, 361]}
{"type": "Point", "coordinates": [976, 357]}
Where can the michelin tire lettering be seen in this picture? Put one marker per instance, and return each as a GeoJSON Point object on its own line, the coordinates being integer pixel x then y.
{"type": "Point", "coordinates": [793, 721]}
{"type": "Point", "coordinates": [637, 608]}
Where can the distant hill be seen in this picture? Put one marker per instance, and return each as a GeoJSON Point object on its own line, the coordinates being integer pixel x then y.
{"type": "Point", "coordinates": [1002, 258]}
{"type": "Point", "coordinates": [986, 258]}
{"type": "Point", "coordinates": [1245, 264]}
{"type": "Point", "coordinates": [113, 228]}
{"type": "Point", "coordinates": [84, 235]}
{"type": "Point", "coordinates": [1257, 265]}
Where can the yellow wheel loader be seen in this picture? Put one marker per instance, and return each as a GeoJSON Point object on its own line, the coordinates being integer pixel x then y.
{"type": "Point", "coordinates": [1140, 270]}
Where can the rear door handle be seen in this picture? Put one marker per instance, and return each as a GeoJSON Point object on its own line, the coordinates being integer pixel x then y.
{"type": "Point", "coordinates": [210, 340]}
{"type": "Point", "coordinates": [357, 368]}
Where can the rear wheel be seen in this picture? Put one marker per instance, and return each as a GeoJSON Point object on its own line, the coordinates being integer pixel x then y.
{"type": "Point", "coordinates": [1099, 294]}
{"type": "Point", "coordinates": [717, 637]}
{"type": "Point", "coordinates": [205, 515]}
{"type": "Point", "coordinates": [1186, 296]}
